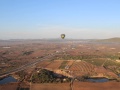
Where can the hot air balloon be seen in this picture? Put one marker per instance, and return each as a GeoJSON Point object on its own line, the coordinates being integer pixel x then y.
{"type": "Point", "coordinates": [62, 36]}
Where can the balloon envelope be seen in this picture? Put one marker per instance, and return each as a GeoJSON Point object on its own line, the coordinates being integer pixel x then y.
{"type": "Point", "coordinates": [62, 36]}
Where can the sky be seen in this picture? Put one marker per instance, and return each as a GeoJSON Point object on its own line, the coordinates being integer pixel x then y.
{"type": "Point", "coordinates": [78, 19]}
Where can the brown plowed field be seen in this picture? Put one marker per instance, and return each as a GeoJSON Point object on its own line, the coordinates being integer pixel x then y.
{"type": "Point", "coordinates": [11, 86]}
{"type": "Point", "coordinates": [43, 64]}
{"type": "Point", "coordinates": [78, 86]}
{"type": "Point", "coordinates": [55, 64]}
{"type": "Point", "coordinates": [66, 86]}
{"type": "Point", "coordinates": [60, 86]}
{"type": "Point", "coordinates": [81, 67]}
{"type": "Point", "coordinates": [70, 62]}
{"type": "Point", "coordinates": [96, 86]}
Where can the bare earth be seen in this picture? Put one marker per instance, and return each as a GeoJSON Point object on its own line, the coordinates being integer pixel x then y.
{"type": "Point", "coordinates": [64, 86]}
{"type": "Point", "coordinates": [11, 86]}
{"type": "Point", "coordinates": [96, 86]}
{"type": "Point", "coordinates": [78, 86]}
{"type": "Point", "coordinates": [112, 85]}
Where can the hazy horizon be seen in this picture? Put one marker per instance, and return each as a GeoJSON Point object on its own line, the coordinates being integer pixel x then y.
{"type": "Point", "coordinates": [78, 19]}
{"type": "Point", "coordinates": [61, 39]}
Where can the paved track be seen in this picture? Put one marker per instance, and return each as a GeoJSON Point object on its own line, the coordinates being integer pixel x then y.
{"type": "Point", "coordinates": [26, 65]}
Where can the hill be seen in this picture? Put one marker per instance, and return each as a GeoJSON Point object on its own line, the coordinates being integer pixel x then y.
{"type": "Point", "coordinates": [116, 39]}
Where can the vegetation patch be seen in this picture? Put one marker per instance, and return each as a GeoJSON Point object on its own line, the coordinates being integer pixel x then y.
{"type": "Point", "coordinates": [112, 63]}
{"type": "Point", "coordinates": [63, 64]}
{"type": "Point", "coordinates": [95, 61]}
{"type": "Point", "coordinates": [46, 76]}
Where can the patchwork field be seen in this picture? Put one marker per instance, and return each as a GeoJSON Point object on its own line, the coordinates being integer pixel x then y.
{"type": "Point", "coordinates": [78, 59]}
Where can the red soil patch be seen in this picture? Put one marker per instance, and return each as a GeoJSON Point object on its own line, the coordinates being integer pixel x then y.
{"type": "Point", "coordinates": [11, 86]}
{"type": "Point", "coordinates": [78, 86]}
{"type": "Point", "coordinates": [70, 62]}
{"type": "Point", "coordinates": [60, 86]}
{"type": "Point", "coordinates": [96, 86]}
{"type": "Point", "coordinates": [43, 64]}
{"type": "Point", "coordinates": [55, 64]}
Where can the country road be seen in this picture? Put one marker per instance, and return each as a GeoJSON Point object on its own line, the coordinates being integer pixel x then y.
{"type": "Point", "coordinates": [23, 67]}
{"type": "Point", "coordinates": [27, 65]}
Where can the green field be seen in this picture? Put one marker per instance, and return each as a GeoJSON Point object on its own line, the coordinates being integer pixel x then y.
{"type": "Point", "coordinates": [95, 61]}
{"type": "Point", "coordinates": [63, 64]}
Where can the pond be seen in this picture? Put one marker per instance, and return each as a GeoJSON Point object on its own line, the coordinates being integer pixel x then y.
{"type": "Point", "coordinates": [8, 80]}
{"type": "Point", "coordinates": [98, 80]}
